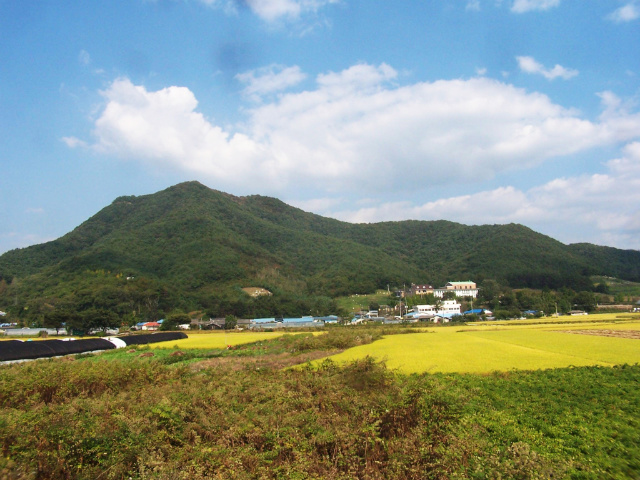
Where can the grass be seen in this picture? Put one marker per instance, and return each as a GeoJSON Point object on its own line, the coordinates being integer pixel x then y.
{"type": "Point", "coordinates": [617, 286]}
{"type": "Point", "coordinates": [355, 303]}
{"type": "Point", "coordinates": [234, 414]}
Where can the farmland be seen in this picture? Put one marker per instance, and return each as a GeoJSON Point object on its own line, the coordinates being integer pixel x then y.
{"type": "Point", "coordinates": [487, 348]}
{"type": "Point", "coordinates": [555, 405]}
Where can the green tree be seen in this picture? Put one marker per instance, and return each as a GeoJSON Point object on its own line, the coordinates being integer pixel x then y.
{"type": "Point", "coordinates": [55, 319]}
{"type": "Point", "coordinates": [230, 322]}
{"type": "Point", "coordinates": [173, 320]}
{"type": "Point", "coordinates": [99, 319]}
{"type": "Point", "coordinates": [449, 295]}
{"type": "Point", "coordinates": [437, 303]}
{"type": "Point", "coordinates": [586, 301]}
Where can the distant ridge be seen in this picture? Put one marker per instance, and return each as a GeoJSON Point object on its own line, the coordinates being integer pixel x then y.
{"type": "Point", "coordinates": [196, 241]}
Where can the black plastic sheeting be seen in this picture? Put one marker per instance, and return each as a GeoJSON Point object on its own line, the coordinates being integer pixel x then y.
{"type": "Point", "coordinates": [145, 338]}
{"type": "Point", "coordinates": [29, 350]}
{"type": "Point", "coordinates": [11, 350]}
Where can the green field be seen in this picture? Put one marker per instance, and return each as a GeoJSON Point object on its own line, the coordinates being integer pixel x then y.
{"type": "Point", "coordinates": [617, 286]}
{"type": "Point", "coordinates": [355, 303]}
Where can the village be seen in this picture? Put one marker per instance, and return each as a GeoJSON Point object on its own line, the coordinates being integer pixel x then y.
{"type": "Point", "coordinates": [443, 310]}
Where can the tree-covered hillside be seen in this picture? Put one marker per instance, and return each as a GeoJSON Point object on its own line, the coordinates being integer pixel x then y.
{"type": "Point", "coordinates": [192, 247]}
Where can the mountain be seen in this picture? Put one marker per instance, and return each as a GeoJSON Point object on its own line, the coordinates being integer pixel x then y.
{"type": "Point", "coordinates": [190, 243]}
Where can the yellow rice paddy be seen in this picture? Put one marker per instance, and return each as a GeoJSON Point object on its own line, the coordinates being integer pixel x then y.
{"type": "Point", "coordinates": [476, 348]}
{"type": "Point", "coordinates": [217, 340]}
{"type": "Point", "coordinates": [483, 350]}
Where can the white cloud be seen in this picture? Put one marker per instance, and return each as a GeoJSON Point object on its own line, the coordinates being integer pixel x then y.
{"type": "Point", "coordinates": [84, 58]}
{"type": "Point", "coordinates": [274, 10]}
{"type": "Point", "coordinates": [600, 208]}
{"type": "Point", "coordinates": [473, 5]}
{"type": "Point", "coordinates": [626, 13]}
{"type": "Point", "coordinates": [268, 80]}
{"type": "Point", "coordinates": [73, 142]}
{"type": "Point", "coordinates": [629, 164]}
{"type": "Point", "coordinates": [522, 6]}
{"type": "Point", "coordinates": [164, 129]}
{"type": "Point", "coordinates": [35, 210]}
{"type": "Point", "coordinates": [355, 125]}
{"type": "Point", "coordinates": [530, 65]}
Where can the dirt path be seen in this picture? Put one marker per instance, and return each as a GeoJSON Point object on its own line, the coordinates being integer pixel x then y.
{"type": "Point", "coordinates": [276, 361]}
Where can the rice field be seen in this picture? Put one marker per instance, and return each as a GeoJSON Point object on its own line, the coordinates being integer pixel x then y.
{"type": "Point", "coordinates": [217, 340]}
{"type": "Point", "coordinates": [476, 348]}
{"type": "Point", "coordinates": [484, 349]}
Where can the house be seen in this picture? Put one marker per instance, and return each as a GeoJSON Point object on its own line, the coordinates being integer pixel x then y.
{"type": "Point", "coordinates": [211, 324]}
{"type": "Point", "coordinates": [421, 289]}
{"type": "Point", "coordinates": [151, 326]}
{"type": "Point", "coordinates": [461, 289]}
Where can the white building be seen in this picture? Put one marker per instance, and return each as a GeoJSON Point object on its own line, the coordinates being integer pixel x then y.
{"type": "Point", "coordinates": [448, 309]}
{"type": "Point", "coordinates": [461, 289]}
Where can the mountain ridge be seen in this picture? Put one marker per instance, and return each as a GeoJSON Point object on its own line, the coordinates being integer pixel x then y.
{"type": "Point", "coordinates": [195, 242]}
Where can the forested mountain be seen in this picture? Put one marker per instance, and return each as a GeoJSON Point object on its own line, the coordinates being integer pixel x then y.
{"type": "Point", "coordinates": [193, 247]}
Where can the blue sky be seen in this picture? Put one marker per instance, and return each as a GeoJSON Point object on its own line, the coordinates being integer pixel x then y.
{"type": "Point", "coordinates": [478, 111]}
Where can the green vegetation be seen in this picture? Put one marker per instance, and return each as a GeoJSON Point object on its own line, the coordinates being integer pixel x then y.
{"type": "Point", "coordinates": [236, 414]}
{"type": "Point", "coordinates": [616, 288]}
{"type": "Point", "coordinates": [357, 302]}
{"type": "Point", "coordinates": [190, 248]}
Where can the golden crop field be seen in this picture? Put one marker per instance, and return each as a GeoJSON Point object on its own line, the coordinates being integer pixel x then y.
{"type": "Point", "coordinates": [217, 339]}
{"type": "Point", "coordinates": [483, 349]}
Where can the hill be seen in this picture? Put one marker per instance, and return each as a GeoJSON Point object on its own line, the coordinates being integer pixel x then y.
{"type": "Point", "coordinates": [194, 247]}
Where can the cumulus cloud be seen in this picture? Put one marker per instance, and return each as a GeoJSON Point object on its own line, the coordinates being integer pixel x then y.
{"type": "Point", "coordinates": [523, 6]}
{"type": "Point", "coordinates": [268, 80]}
{"type": "Point", "coordinates": [530, 65]}
{"type": "Point", "coordinates": [354, 124]}
{"type": "Point", "coordinates": [600, 208]}
{"type": "Point", "coordinates": [360, 127]}
{"type": "Point", "coordinates": [626, 13]}
{"type": "Point", "coordinates": [164, 128]}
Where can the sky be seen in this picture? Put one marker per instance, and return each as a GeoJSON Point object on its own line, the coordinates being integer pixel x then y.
{"type": "Point", "coordinates": [473, 111]}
